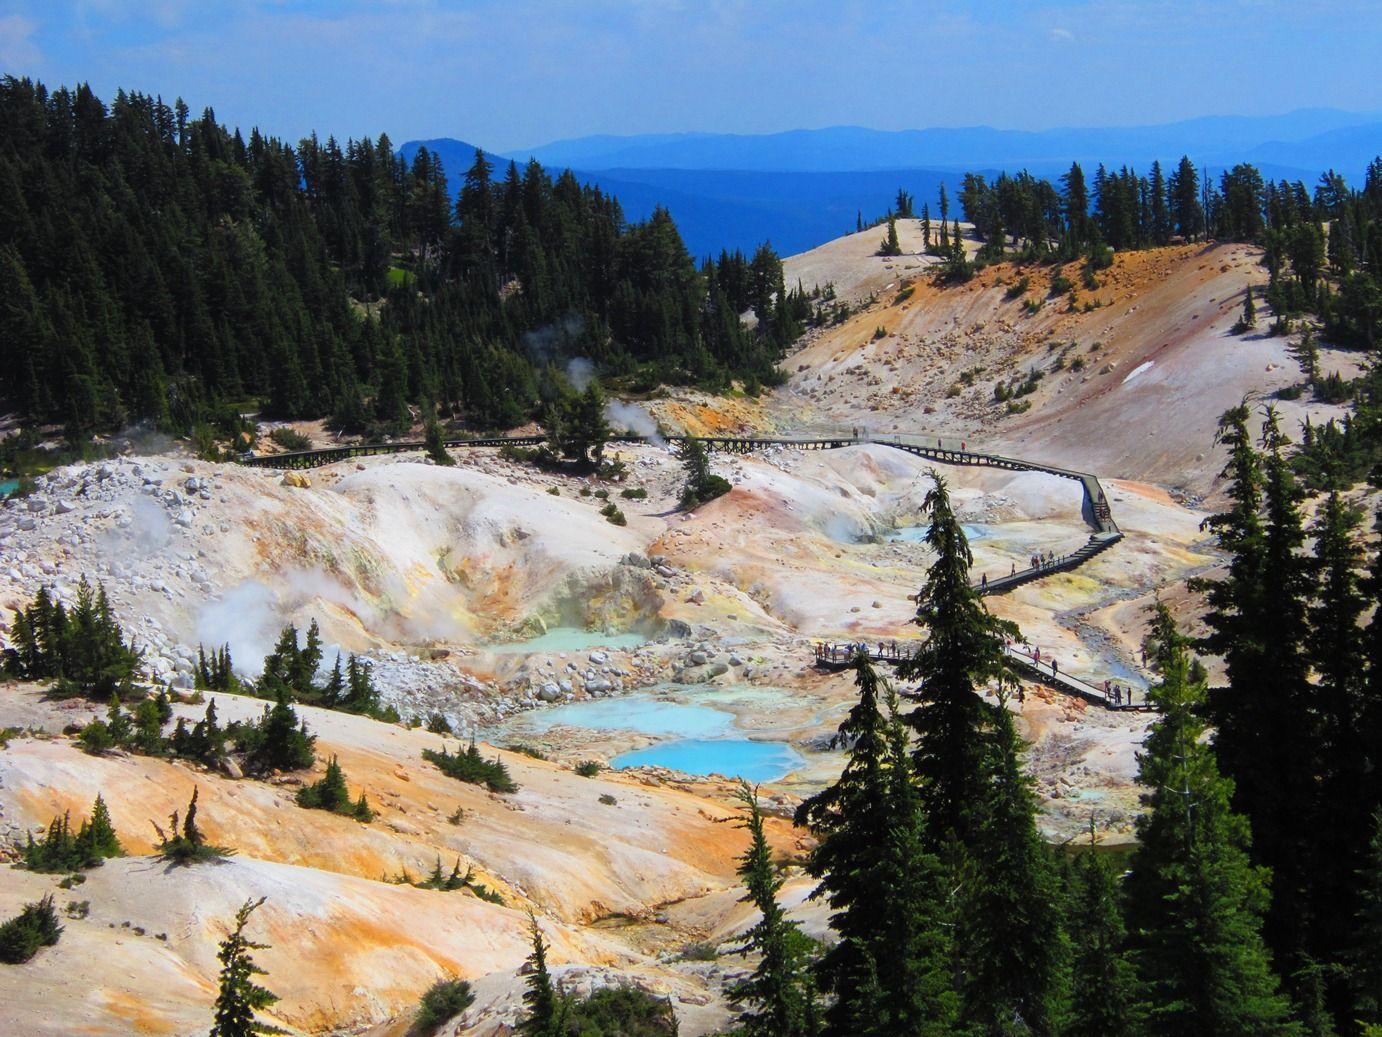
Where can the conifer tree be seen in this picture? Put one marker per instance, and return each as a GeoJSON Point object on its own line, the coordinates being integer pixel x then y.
{"type": "Point", "coordinates": [926, 227]}
{"type": "Point", "coordinates": [1195, 899]}
{"type": "Point", "coordinates": [1103, 981]}
{"type": "Point", "coordinates": [778, 1001]}
{"type": "Point", "coordinates": [239, 997]}
{"type": "Point", "coordinates": [545, 1003]}
{"type": "Point", "coordinates": [97, 837]}
{"type": "Point", "coordinates": [1249, 318]}
{"type": "Point", "coordinates": [890, 245]}
{"type": "Point", "coordinates": [1365, 957]}
{"type": "Point", "coordinates": [701, 483]}
{"type": "Point", "coordinates": [333, 692]}
{"type": "Point", "coordinates": [962, 653]}
{"type": "Point", "coordinates": [435, 444]}
{"type": "Point", "coordinates": [1013, 949]}
{"type": "Point", "coordinates": [890, 969]}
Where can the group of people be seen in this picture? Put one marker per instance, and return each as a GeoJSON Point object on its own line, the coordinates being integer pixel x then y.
{"type": "Point", "coordinates": [1117, 694]}
{"type": "Point", "coordinates": [836, 653]}
{"type": "Point", "coordinates": [1043, 559]}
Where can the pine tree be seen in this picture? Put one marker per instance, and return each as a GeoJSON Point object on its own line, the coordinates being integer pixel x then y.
{"type": "Point", "coordinates": [34, 928]}
{"type": "Point", "coordinates": [890, 245]}
{"type": "Point", "coordinates": [890, 969]}
{"type": "Point", "coordinates": [97, 837]}
{"type": "Point", "coordinates": [1011, 943]}
{"type": "Point", "coordinates": [239, 997]}
{"type": "Point", "coordinates": [545, 1003]}
{"type": "Point", "coordinates": [775, 993]}
{"type": "Point", "coordinates": [1365, 957]}
{"type": "Point", "coordinates": [333, 692]}
{"type": "Point", "coordinates": [1104, 983]}
{"type": "Point", "coordinates": [1249, 318]}
{"type": "Point", "coordinates": [701, 483]}
{"type": "Point", "coordinates": [435, 444]}
{"type": "Point", "coordinates": [963, 652]}
{"type": "Point", "coordinates": [1195, 900]}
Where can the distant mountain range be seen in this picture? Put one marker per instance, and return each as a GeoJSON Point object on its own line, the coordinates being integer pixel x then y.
{"type": "Point", "coordinates": [803, 187]}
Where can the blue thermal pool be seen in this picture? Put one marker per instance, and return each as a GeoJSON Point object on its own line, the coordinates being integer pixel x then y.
{"type": "Point", "coordinates": [916, 534]}
{"type": "Point", "coordinates": [569, 639]}
{"type": "Point", "coordinates": [700, 739]}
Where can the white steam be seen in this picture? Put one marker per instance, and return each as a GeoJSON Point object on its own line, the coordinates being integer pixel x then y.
{"type": "Point", "coordinates": [580, 372]}
{"type": "Point", "coordinates": [635, 419]}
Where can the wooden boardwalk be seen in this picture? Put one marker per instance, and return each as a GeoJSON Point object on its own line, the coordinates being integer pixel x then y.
{"type": "Point", "coordinates": [892, 653]}
{"type": "Point", "coordinates": [1104, 531]}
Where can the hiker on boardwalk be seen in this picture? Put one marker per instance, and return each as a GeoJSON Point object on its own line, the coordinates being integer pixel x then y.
{"type": "Point", "coordinates": [1055, 668]}
{"type": "Point", "coordinates": [984, 582]}
{"type": "Point", "coordinates": [1013, 571]}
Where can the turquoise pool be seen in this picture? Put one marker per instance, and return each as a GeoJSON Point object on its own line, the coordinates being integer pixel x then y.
{"type": "Point", "coordinates": [569, 639]}
{"type": "Point", "coordinates": [733, 757]}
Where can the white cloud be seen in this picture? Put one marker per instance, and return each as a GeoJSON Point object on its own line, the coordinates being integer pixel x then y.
{"type": "Point", "coordinates": [18, 51]}
{"type": "Point", "coordinates": [1062, 35]}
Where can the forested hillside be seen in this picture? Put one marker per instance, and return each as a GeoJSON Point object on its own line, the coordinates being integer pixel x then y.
{"type": "Point", "coordinates": [158, 266]}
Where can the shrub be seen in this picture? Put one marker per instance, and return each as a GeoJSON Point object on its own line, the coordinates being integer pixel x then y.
{"type": "Point", "coordinates": [525, 750]}
{"type": "Point", "coordinates": [444, 1000]}
{"type": "Point", "coordinates": [602, 494]}
{"type": "Point", "coordinates": [608, 800]}
{"type": "Point", "coordinates": [1031, 305]}
{"type": "Point", "coordinates": [1077, 364]}
{"type": "Point", "coordinates": [880, 332]}
{"type": "Point", "coordinates": [701, 952]}
{"type": "Point", "coordinates": [472, 768]}
{"type": "Point", "coordinates": [554, 491]}
{"type": "Point", "coordinates": [33, 928]}
{"type": "Point", "coordinates": [456, 816]}
{"type": "Point", "coordinates": [187, 844]}
{"type": "Point", "coordinates": [589, 768]}
{"type": "Point", "coordinates": [290, 439]}
{"type": "Point", "coordinates": [332, 794]}
{"type": "Point", "coordinates": [634, 493]}
{"type": "Point", "coordinates": [626, 1011]}
{"type": "Point", "coordinates": [1061, 285]}
{"type": "Point", "coordinates": [438, 724]}
{"type": "Point", "coordinates": [616, 517]}
{"type": "Point", "coordinates": [96, 738]}
{"type": "Point", "coordinates": [1018, 288]}
{"type": "Point", "coordinates": [904, 295]}
{"type": "Point", "coordinates": [61, 849]}
{"type": "Point", "coordinates": [435, 444]}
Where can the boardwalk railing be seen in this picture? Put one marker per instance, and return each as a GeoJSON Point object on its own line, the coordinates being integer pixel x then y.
{"type": "Point", "coordinates": [1024, 661]}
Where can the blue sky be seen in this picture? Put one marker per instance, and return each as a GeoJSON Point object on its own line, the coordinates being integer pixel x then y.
{"type": "Point", "coordinates": [514, 73]}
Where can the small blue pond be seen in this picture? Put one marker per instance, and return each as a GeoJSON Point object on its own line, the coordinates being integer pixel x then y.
{"type": "Point", "coordinates": [7, 487]}
{"type": "Point", "coordinates": [735, 757]}
{"type": "Point", "coordinates": [569, 639]}
{"type": "Point", "coordinates": [701, 740]}
{"type": "Point", "coordinates": [916, 534]}
{"type": "Point", "coordinates": [635, 713]}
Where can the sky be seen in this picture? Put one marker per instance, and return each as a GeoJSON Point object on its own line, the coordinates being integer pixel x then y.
{"type": "Point", "coordinates": [509, 74]}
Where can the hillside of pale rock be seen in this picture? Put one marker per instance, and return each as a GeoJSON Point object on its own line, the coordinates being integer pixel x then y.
{"type": "Point", "coordinates": [436, 575]}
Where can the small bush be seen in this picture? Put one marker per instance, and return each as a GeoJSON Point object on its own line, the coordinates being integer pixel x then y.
{"type": "Point", "coordinates": [524, 749]}
{"type": "Point", "coordinates": [1061, 285]}
{"type": "Point", "coordinates": [602, 494]}
{"type": "Point", "coordinates": [25, 934]}
{"type": "Point", "coordinates": [456, 816]}
{"type": "Point", "coordinates": [616, 517]}
{"type": "Point", "coordinates": [701, 952]}
{"type": "Point", "coordinates": [626, 1011]}
{"type": "Point", "coordinates": [1032, 305]}
{"type": "Point", "coordinates": [187, 845]}
{"type": "Point", "coordinates": [634, 493]}
{"type": "Point", "coordinates": [1018, 288]}
{"type": "Point", "coordinates": [96, 738]}
{"type": "Point", "coordinates": [290, 439]}
{"type": "Point", "coordinates": [331, 794]}
{"type": "Point", "coordinates": [554, 491]}
{"type": "Point", "coordinates": [880, 332]}
{"type": "Point", "coordinates": [444, 1000]}
{"type": "Point", "coordinates": [1077, 364]}
{"type": "Point", "coordinates": [904, 295]}
{"type": "Point", "coordinates": [472, 768]}
{"type": "Point", "coordinates": [438, 724]}
{"type": "Point", "coordinates": [608, 800]}
{"type": "Point", "coordinates": [589, 768]}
